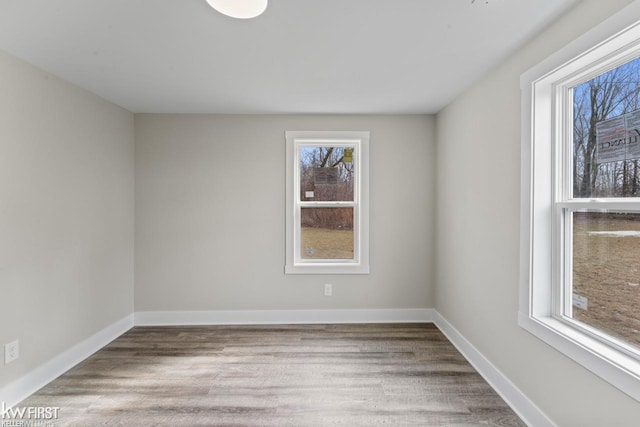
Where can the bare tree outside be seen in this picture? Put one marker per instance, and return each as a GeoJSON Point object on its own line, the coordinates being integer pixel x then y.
{"type": "Point", "coordinates": [608, 95]}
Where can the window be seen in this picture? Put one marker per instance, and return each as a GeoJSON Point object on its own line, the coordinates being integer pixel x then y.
{"type": "Point", "coordinates": [580, 254]}
{"type": "Point", "coordinates": [327, 203]}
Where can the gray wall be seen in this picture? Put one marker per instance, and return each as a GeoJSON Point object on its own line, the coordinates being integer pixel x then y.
{"type": "Point", "coordinates": [210, 208]}
{"type": "Point", "coordinates": [66, 215]}
{"type": "Point", "coordinates": [477, 252]}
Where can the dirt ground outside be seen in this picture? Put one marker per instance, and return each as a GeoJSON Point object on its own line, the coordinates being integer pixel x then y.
{"type": "Point", "coordinates": [606, 271]}
{"type": "Point", "coordinates": [323, 243]}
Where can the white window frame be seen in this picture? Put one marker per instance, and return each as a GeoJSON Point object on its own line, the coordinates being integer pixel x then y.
{"type": "Point", "coordinates": [546, 115]}
{"type": "Point", "coordinates": [360, 263]}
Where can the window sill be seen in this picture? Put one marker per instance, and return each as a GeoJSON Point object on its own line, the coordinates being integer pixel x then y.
{"type": "Point", "coordinates": [615, 367]}
{"type": "Point", "coordinates": [327, 268]}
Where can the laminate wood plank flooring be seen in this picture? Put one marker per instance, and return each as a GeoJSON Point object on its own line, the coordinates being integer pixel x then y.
{"type": "Point", "coordinates": [289, 375]}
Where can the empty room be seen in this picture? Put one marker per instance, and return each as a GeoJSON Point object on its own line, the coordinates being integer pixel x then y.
{"type": "Point", "coordinates": [320, 212]}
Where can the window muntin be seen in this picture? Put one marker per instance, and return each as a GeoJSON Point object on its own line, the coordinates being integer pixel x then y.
{"type": "Point", "coordinates": [327, 202]}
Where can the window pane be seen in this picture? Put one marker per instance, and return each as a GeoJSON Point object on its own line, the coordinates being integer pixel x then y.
{"type": "Point", "coordinates": [326, 233]}
{"type": "Point", "coordinates": [606, 272]}
{"type": "Point", "coordinates": [606, 134]}
{"type": "Point", "coordinates": [326, 173]}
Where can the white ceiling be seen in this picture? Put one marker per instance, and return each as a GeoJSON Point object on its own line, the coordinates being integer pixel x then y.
{"type": "Point", "coordinates": [300, 56]}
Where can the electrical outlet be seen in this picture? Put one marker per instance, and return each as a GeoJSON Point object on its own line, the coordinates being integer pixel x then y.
{"type": "Point", "coordinates": [328, 290]}
{"type": "Point", "coordinates": [11, 351]}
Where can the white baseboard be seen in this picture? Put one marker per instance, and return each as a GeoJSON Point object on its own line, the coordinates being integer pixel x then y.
{"type": "Point", "coordinates": [248, 317]}
{"type": "Point", "coordinates": [520, 404]}
{"type": "Point", "coordinates": [22, 388]}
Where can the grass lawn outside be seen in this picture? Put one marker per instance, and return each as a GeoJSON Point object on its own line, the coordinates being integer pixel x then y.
{"type": "Point", "coordinates": [323, 243]}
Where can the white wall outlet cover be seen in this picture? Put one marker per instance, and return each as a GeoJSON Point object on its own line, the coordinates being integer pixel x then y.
{"type": "Point", "coordinates": [11, 352]}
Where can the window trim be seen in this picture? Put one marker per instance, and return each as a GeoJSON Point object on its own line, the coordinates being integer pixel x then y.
{"type": "Point", "coordinates": [543, 105]}
{"type": "Point", "coordinates": [360, 263]}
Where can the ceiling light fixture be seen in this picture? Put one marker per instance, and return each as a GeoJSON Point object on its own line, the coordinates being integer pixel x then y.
{"type": "Point", "coordinates": [241, 9]}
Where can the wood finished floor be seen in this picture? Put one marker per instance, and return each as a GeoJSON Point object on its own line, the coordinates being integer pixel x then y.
{"type": "Point", "coordinates": [293, 375]}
